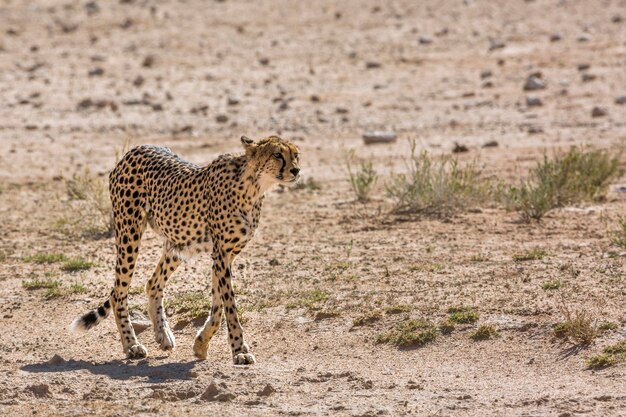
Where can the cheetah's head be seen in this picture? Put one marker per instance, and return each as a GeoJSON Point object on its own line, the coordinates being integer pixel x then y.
{"type": "Point", "coordinates": [277, 159]}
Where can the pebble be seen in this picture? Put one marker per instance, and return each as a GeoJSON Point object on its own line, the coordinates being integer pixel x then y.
{"type": "Point", "coordinates": [39, 390]}
{"type": "Point", "coordinates": [533, 130]}
{"type": "Point", "coordinates": [215, 393]}
{"type": "Point", "coordinates": [266, 391]}
{"type": "Point", "coordinates": [588, 77]}
{"type": "Point", "coordinates": [139, 321]}
{"type": "Point", "coordinates": [491, 144]}
{"type": "Point", "coordinates": [56, 360]}
{"type": "Point", "coordinates": [379, 136]}
{"type": "Point", "coordinates": [425, 40]}
{"type": "Point", "coordinates": [221, 118]}
{"type": "Point", "coordinates": [233, 100]}
{"type": "Point", "coordinates": [583, 38]}
{"type": "Point", "coordinates": [373, 65]}
{"type": "Point", "coordinates": [583, 67]}
{"type": "Point", "coordinates": [496, 44]}
{"type": "Point", "coordinates": [555, 37]}
{"type": "Point", "coordinates": [534, 82]}
{"type": "Point", "coordinates": [459, 148]}
{"type": "Point", "coordinates": [620, 100]}
{"type": "Point", "coordinates": [599, 112]}
{"type": "Point", "coordinates": [485, 74]}
{"type": "Point", "coordinates": [532, 101]}
{"type": "Point", "coordinates": [138, 81]}
{"type": "Point", "coordinates": [264, 61]}
{"type": "Point", "coordinates": [148, 61]}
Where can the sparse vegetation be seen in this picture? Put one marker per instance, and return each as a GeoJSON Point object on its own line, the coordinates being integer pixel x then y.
{"type": "Point", "coordinates": [188, 306]}
{"type": "Point", "coordinates": [311, 300]}
{"type": "Point", "coordinates": [52, 287]}
{"type": "Point", "coordinates": [363, 180]}
{"type": "Point", "coordinates": [446, 326]}
{"type": "Point", "coordinates": [432, 267]}
{"type": "Point", "coordinates": [78, 264]}
{"type": "Point", "coordinates": [45, 258]}
{"type": "Point", "coordinates": [368, 318]}
{"type": "Point", "coordinates": [463, 315]}
{"type": "Point", "coordinates": [552, 285]}
{"type": "Point", "coordinates": [484, 332]}
{"type": "Point", "coordinates": [77, 288]}
{"type": "Point", "coordinates": [531, 255]}
{"type": "Point", "coordinates": [3, 256]}
{"type": "Point", "coordinates": [309, 184]}
{"type": "Point", "coordinates": [89, 202]}
{"type": "Point", "coordinates": [563, 180]}
{"type": "Point", "coordinates": [619, 236]}
{"type": "Point", "coordinates": [479, 257]}
{"type": "Point", "coordinates": [436, 187]}
{"type": "Point", "coordinates": [611, 355]}
{"type": "Point", "coordinates": [410, 333]}
{"type": "Point", "coordinates": [577, 328]}
{"type": "Point", "coordinates": [399, 308]}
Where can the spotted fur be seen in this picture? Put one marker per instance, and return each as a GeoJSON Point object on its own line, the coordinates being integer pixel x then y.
{"type": "Point", "coordinates": [214, 208]}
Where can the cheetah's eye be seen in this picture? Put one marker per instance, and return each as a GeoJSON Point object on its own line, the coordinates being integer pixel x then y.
{"type": "Point", "coordinates": [278, 155]}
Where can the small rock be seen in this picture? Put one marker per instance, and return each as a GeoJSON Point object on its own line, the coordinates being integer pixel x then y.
{"type": "Point", "coordinates": [39, 390]}
{"type": "Point", "coordinates": [533, 130]}
{"type": "Point", "coordinates": [373, 64]}
{"type": "Point", "coordinates": [127, 23]}
{"type": "Point", "coordinates": [264, 61]}
{"type": "Point", "coordinates": [583, 38]}
{"type": "Point", "coordinates": [274, 262]}
{"type": "Point", "coordinates": [379, 136]}
{"type": "Point", "coordinates": [96, 72]}
{"type": "Point", "coordinates": [620, 100]}
{"type": "Point", "coordinates": [157, 107]}
{"type": "Point", "coordinates": [138, 81]}
{"type": "Point", "coordinates": [599, 112]}
{"type": "Point", "coordinates": [148, 61]}
{"type": "Point", "coordinates": [487, 84]}
{"type": "Point", "coordinates": [341, 110]}
{"type": "Point", "coordinates": [617, 19]}
{"type": "Point", "coordinates": [425, 40]}
{"type": "Point", "coordinates": [266, 391]}
{"type": "Point", "coordinates": [92, 8]}
{"type": "Point", "coordinates": [555, 37]}
{"type": "Point", "coordinates": [485, 74]}
{"type": "Point", "coordinates": [233, 100]}
{"type": "Point", "coordinates": [583, 67]}
{"type": "Point", "coordinates": [534, 82]}
{"type": "Point", "coordinates": [496, 44]}
{"type": "Point", "coordinates": [56, 360]}
{"type": "Point", "coordinates": [459, 148]}
{"type": "Point", "coordinates": [221, 118]}
{"type": "Point", "coordinates": [532, 101]}
{"type": "Point", "coordinates": [588, 77]}
{"type": "Point", "coordinates": [491, 144]}
{"type": "Point", "coordinates": [139, 321]}
{"type": "Point", "coordinates": [215, 393]}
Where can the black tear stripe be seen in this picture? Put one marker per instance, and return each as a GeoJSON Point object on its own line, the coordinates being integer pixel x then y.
{"type": "Point", "coordinates": [282, 168]}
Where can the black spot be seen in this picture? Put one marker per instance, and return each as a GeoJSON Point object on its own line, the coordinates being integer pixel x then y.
{"type": "Point", "coordinates": [90, 319]}
{"type": "Point", "coordinates": [101, 311]}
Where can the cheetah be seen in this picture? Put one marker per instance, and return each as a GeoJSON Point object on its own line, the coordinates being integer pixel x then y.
{"type": "Point", "coordinates": [213, 208]}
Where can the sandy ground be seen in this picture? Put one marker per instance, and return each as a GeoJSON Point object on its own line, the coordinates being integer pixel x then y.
{"type": "Point", "coordinates": [79, 78]}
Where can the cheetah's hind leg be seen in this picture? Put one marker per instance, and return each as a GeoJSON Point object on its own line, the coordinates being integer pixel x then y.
{"type": "Point", "coordinates": [154, 288]}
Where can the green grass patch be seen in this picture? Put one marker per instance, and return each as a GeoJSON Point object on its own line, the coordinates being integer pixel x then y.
{"type": "Point", "coordinates": [463, 315]}
{"type": "Point", "coordinates": [437, 187]}
{"type": "Point", "coordinates": [576, 176]}
{"type": "Point", "coordinates": [398, 309]}
{"type": "Point", "coordinates": [368, 318]}
{"type": "Point", "coordinates": [611, 355]}
{"type": "Point", "coordinates": [363, 179]}
{"type": "Point", "coordinates": [78, 264]}
{"type": "Point", "coordinates": [446, 326]}
{"type": "Point", "coordinates": [577, 328]}
{"type": "Point", "coordinates": [484, 332]}
{"type": "Point", "coordinates": [552, 285]}
{"type": "Point", "coordinates": [310, 184]}
{"type": "Point", "coordinates": [310, 300]}
{"type": "Point", "coordinates": [76, 288]}
{"type": "Point", "coordinates": [619, 237]}
{"type": "Point", "coordinates": [45, 258]}
{"type": "Point", "coordinates": [531, 255]}
{"type": "Point", "coordinates": [189, 306]}
{"type": "Point", "coordinates": [410, 333]}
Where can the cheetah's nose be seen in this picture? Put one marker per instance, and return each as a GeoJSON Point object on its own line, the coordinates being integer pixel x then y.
{"type": "Point", "coordinates": [294, 171]}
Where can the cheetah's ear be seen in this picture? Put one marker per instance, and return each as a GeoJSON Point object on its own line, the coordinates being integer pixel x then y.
{"type": "Point", "coordinates": [248, 145]}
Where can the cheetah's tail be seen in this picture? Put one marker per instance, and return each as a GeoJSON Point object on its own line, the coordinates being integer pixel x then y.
{"type": "Point", "coordinates": [91, 318]}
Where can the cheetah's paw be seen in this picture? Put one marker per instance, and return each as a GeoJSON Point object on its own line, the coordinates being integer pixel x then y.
{"type": "Point", "coordinates": [200, 348]}
{"type": "Point", "coordinates": [137, 351]}
{"type": "Point", "coordinates": [165, 338]}
{"type": "Point", "coordinates": [244, 359]}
